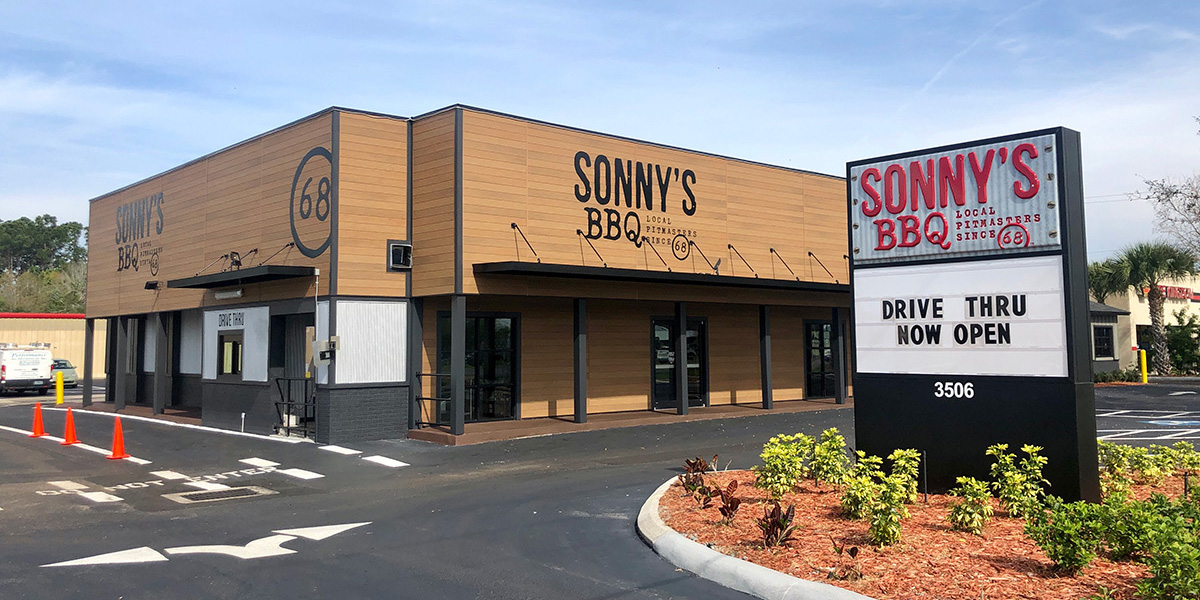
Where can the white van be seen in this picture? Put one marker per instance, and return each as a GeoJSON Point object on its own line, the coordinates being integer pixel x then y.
{"type": "Point", "coordinates": [25, 368]}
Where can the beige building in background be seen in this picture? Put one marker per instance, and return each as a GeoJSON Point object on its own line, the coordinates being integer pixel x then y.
{"type": "Point", "coordinates": [1133, 331]}
{"type": "Point", "coordinates": [64, 333]}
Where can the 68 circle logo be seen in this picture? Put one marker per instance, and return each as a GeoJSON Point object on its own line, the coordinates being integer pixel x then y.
{"type": "Point", "coordinates": [311, 200]}
{"type": "Point", "coordinates": [1013, 235]}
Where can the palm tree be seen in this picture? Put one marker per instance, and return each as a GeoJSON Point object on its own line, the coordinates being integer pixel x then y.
{"type": "Point", "coordinates": [1145, 265]}
{"type": "Point", "coordinates": [1106, 279]}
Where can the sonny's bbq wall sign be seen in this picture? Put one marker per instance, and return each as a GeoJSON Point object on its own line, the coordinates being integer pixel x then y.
{"type": "Point", "coordinates": [139, 225]}
{"type": "Point", "coordinates": [635, 201]}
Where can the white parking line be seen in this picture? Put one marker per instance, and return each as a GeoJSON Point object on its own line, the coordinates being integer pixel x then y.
{"type": "Point", "coordinates": [259, 462]}
{"type": "Point", "coordinates": [15, 430]}
{"type": "Point", "coordinates": [286, 440]}
{"type": "Point", "coordinates": [1183, 433]}
{"type": "Point", "coordinates": [1122, 432]}
{"type": "Point", "coordinates": [137, 461]}
{"type": "Point", "coordinates": [300, 473]}
{"type": "Point", "coordinates": [341, 450]}
{"type": "Point", "coordinates": [169, 475]}
{"type": "Point", "coordinates": [385, 461]}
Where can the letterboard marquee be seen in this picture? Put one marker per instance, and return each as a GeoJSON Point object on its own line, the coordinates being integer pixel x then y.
{"type": "Point", "coordinates": [968, 271]}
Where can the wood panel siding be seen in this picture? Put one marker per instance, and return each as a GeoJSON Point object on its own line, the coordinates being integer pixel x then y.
{"type": "Point", "coordinates": [236, 199]}
{"type": "Point", "coordinates": [619, 367]}
{"type": "Point", "coordinates": [433, 204]}
{"type": "Point", "coordinates": [372, 202]}
{"type": "Point", "coordinates": [517, 171]}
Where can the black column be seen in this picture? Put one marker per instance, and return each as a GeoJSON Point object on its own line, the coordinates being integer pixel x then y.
{"type": "Point", "coordinates": [89, 341]}
{"type": "Point", "coordinates": [580, 360]}
{"type": "Point", "coordinates": [458, 364]}
{"type": "Point", "coordinates": [839, 356]}
{"type": "Point", "coordinates": [764, 356]}
{"type": "Point", "coordinates": [681, 384]}
{"type": "Point", "coordinates": [416, 349]}
{"type": "Point", "coordinates": [159, 326]}
{"type": "Point", "coordinates": [120, 376]}
{"type": "Point", "coordinates": [110, 359]}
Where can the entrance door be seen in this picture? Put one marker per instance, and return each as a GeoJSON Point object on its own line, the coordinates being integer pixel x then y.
{"type": "Point", "coordinates": [818, 344]}
{"type": "Point", "coordinates": [662, 346]}
{"type": "Point", "coordinates": [491, 367]}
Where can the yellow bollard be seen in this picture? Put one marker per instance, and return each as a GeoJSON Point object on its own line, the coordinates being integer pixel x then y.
{"type": "Point", "coordinates": [58, 387]}
{"type": "Point", "coordinates": [1142, 357]}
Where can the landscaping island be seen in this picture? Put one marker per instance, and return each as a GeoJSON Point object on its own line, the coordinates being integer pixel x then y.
{"type": "Point", "coordinates": [1103, 551]}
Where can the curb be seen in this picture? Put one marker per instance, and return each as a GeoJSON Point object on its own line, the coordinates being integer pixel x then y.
{"type": "Point", "coordinates": [728, 571]}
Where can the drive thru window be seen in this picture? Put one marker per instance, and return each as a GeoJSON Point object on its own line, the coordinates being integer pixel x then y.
{"type": "Point", "coordinates": [229, 355]}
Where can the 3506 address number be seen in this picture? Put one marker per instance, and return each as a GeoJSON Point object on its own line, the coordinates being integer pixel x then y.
{"type": "Point", "coordinates": [953, 389]}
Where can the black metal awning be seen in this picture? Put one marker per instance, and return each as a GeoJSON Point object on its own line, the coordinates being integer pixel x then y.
{"type": "Point", "coordinates": [641, 276]}
{"type": "Point", "coordinates": [257, 274]}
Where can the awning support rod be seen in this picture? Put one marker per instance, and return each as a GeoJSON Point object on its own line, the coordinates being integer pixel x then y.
{"type": "Point", "coordinates": [710, 265]}
{"type": "Point", "coordinates": [210, 264]}
{"type": "Point", "coordinates": [579, 232]}
{"type": "Point", "coordinates": [785, 265]}
{"type": "Point", "coordinates": [285, 247]}
{"type": "Point", "coordinates": [518, 229]}
{"type": "Point", "coordinates": [823, 267]}
{"type": "Point", "coordinates": [646, 242]}
{"type": "Point", "coordinates": [739, 255]}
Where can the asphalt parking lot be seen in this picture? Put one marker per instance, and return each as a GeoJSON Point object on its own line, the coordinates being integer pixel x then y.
{"type": "Point", "coordinates": [203, 514]}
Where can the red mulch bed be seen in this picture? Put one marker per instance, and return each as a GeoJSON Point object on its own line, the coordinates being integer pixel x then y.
{"type": "Point", "coordinates": [931, 561]}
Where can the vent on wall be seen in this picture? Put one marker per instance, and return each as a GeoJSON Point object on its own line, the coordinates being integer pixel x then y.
{"type": "Point", "coordinates": [399, 256]}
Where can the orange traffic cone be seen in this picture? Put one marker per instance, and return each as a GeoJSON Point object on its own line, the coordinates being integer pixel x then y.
{"type": "Point", "coordinates": [38, 430]}
{"type": "Point", "coordinates": [118, 448]}
{"type": "Point", "coordinates": [69, 433]}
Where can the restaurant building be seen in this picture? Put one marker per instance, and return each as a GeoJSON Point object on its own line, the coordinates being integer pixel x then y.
{"type": "Point", "coordinates": [359, 276]}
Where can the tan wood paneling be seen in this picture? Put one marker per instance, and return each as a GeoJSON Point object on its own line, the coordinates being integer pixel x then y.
{"type": "Point", "coordinates": [433, 204]}
{"type": "Point", "coordinates": [372, 202]}
{"type": "Point", "coordinates": [619, 354]}
{"type": "Point", "coordinates": [734, 369]}
{"type": "Point", "coordinates": [515, 171]}
{"type": "Point", "coordinates": [236, 199]}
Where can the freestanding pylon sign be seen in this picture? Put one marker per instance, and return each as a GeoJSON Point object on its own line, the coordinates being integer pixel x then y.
{"type": "Point", "coordinates": [969, 276]}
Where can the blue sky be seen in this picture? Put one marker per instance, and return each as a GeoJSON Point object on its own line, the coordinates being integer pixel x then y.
{"type": "Point", "coordinates": [94, 97]}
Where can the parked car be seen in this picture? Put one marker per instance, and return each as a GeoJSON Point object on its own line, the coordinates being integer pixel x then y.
{"type": "Point", "coordinates": [25, 368]}
{"type": "Point", "coordinates": [70, 377]}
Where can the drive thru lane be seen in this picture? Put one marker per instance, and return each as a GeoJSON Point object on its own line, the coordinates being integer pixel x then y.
{"type": "Point", "coordinates": [548, 517]}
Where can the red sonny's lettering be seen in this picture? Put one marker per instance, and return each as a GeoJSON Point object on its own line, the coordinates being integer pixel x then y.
{"type": "Point", "coordinates": [1021, 191]}
{"type": "Point", "coordinates": [981, 173]}
{"type": "Point", "coordinates": [872, 208]}
{"type": "Point", "coordinates": [922, 184]}
{"type": "Point", "coordinates": [895, 197]}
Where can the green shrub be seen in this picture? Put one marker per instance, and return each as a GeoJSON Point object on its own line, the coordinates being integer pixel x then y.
{"type": "Point", "coordinates": [1128, 528]}
{"type": "Point", "coordinates": [906, 467]}
{"type": "Point", "coordinates": [1174, 562]}
{"type": "Point", "coordinates": [859, 487]}
{"type": "Point", "coordinates": [1115, 465]}
{"type": "Point", "coordinates": [785, 462]}
{"type": "Point", "coordinates": [975, 510]}
{"type": "Point", "coordinates": [829, 460]}
{"type": "Point", "coordinates": [1151, 465]}
{"type": "Point", "coordinates": [1184, 456]}
{"type": "Point", "coordinates": [1068, 532]}
{"type": "Point", "coordinates": [886, 511]}
{"type": "Point", "coordinates": [1018, 485]}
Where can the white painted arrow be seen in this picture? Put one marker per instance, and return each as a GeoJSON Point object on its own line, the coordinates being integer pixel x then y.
{"type": "Point", "coordinates": [133, 555]}
{"type": "Point", "coordinates": [271, 545]}
{"type": "Point", "coordinates": [321, 532]}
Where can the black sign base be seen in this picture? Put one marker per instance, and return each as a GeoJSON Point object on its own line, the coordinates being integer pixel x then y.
{"type": "Point", "coordinates": [904, 411]}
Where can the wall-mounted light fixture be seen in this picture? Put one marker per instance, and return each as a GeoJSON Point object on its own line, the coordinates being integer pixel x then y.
{"type": "Point", "coordinates": [152, 285]}
{"type": "Point", "coordinates": [228, 294]}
